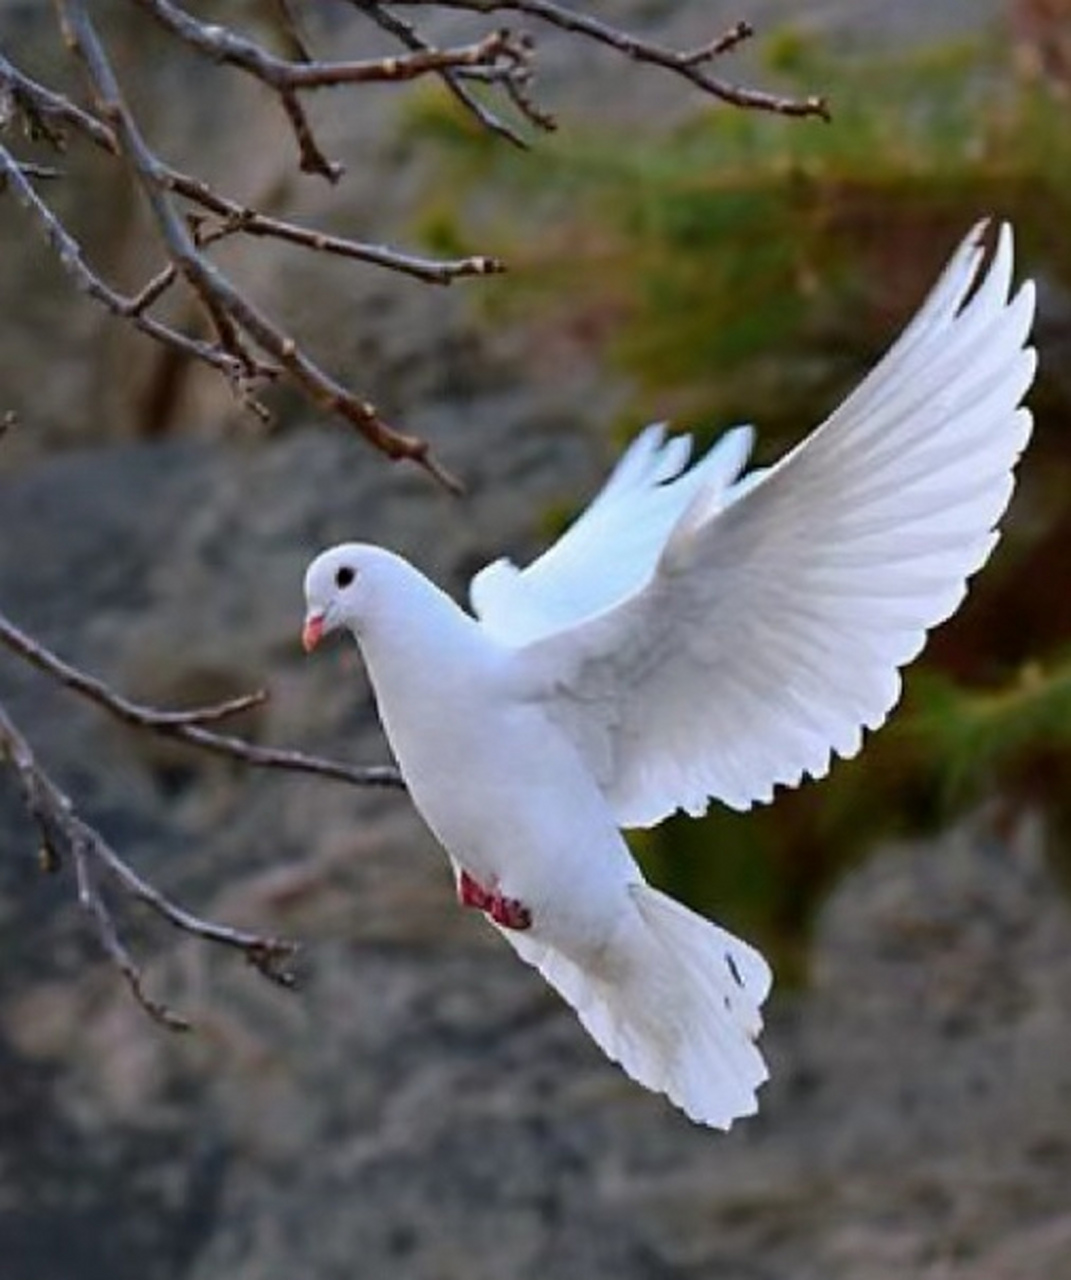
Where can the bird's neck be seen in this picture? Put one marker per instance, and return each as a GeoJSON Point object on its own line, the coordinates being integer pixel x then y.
{"type": "Point", "coordinates": [428, 662]}
{"type": "Point", "coordinates": [417, 640]}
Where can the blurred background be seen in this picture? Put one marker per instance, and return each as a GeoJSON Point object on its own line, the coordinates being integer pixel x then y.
{"type": "Point", "coordinates": [424, 1107]}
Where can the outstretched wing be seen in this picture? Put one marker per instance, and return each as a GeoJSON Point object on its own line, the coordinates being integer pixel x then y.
{"type": "Point", "coordinates": [773, 628]}
{"type": "Point", "coordinates": [611, 550]}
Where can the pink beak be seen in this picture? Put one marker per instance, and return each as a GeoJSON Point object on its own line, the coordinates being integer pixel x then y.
{"type": "Point", "coordinates": [312, 632]}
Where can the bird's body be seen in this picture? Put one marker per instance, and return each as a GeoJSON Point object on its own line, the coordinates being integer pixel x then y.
{"type": "Point", "coordinates": [506, 792]}
{"type": "Point", "coordinates": [490, 786]}
{"type": "Point", "coordinates": [693, 635]}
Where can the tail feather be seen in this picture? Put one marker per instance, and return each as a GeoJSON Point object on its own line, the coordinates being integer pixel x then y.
{"type": "Point", "coordinates": [677, 1004]}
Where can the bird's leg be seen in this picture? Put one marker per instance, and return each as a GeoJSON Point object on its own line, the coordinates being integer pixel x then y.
{"type": "Point", "coordinates": [509, 912]}
{"type": "Point", "coordinates": [470, 893]}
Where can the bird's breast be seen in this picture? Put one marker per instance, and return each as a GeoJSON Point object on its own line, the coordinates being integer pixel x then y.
{"type": "Point", "coordinates": [510, 799]}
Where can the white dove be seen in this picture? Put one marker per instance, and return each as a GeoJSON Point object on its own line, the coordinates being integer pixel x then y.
{"type": "Point", "coordinates": [692, 636]}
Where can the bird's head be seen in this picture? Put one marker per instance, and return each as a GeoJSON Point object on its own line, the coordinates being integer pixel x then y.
{"type": "Point", "coordinates": [336, 585]}
{"type": "Point", "coordinates": [387, 605]}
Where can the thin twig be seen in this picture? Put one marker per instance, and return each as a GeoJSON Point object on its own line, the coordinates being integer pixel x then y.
{"type": "Point", "coordinates": [153, 289]}
{"type": "Point", "coordinates": [239, 219]}
{"type": "Point", "coordinates": [518, 90]}
{"type": "Point", "coordinates": [94, 905]}
{"type": "Point", "coordinates": [28, 94]}
{"type": "Point", "coordinates": [189, 726]}
{"type": "Point", "coordinates": [407, 33]}
{"type": "Point", "coordinates": [688, 63]}
{"type": "Point", "coordinates": [497, 52]}
{"type": "Point", "coordinates": [722, 44]}
{"type": "Point", "coordinates": [46, 171]}
{"type": "Point", "coordinates": [63, 829]}
{"type": "Point", "coordinates": [311, 158]}
{"type": "Point", "coordinates": [223, 45]}
{"type": "Point", "coordinates": [69, 253]}
{"type": "Point", "coordinates": [292, 30]}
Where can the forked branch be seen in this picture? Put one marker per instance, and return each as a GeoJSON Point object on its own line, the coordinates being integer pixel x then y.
{"type": "Point", "coordinates": [691, 64]}
{"type": "Point", "coordinates": [249, 347]}
{"type": "Point", "coordinates": [65, 837]}
{"type": "Point", "coordinates": [189, 726]}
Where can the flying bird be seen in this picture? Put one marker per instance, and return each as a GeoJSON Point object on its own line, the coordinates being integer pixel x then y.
{"type": "Point", "coordinates": [698, 633]}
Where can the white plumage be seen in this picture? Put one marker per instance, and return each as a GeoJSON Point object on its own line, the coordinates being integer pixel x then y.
{"type": "Point", "coordinates": [694, 635]}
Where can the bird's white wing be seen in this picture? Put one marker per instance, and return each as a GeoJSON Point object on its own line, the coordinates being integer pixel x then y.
{"type": "Point", "coordinates": [611, 550]}
{"type": "Point", "coordinates": [773, 628]}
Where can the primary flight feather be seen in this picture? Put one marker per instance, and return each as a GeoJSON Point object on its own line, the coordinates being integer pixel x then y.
{"type": "Point", "coordinates": [697, 634]}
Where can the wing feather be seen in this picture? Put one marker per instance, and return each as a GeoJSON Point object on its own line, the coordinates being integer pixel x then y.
{"type": "Point", "coordinates": [771, 632]}
{"type": "Point", "coordinates": [612, 548]}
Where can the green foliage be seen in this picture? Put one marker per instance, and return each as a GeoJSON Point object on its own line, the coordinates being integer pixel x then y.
{"type": "Point", "coordinates": [745, 267]}
{"type": "Point", "coordinates": [974, 736]}
{"type": "Point", "coordinates": [728, 265]}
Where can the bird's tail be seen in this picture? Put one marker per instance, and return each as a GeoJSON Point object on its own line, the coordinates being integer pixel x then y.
{"type": "Point", "coordinates": [676, 1003]}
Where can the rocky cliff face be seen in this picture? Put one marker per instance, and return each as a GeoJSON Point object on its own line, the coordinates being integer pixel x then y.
{"type": "Point", "coordinates": [424, 1106]}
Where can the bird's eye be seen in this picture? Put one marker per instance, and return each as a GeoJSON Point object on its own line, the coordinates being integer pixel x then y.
{"type": "Point", "coordinates": [344, 576]}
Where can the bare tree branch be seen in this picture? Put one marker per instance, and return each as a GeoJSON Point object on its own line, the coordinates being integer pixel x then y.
{"type": "Point", "coordinates": [498, 54]}
{"type": "Point", "coordinates": [496, 51]}
{"type": "Point", "coordinates": [189, 726]}
{"type": "Point", "coordinates": [240, 219]}
{"type": "Point", "coordinates": [688, 63]}
{"type": "Point", "coordinates": [407, 33]}
{"type": "Point", "coordinates": [230, 311]}
{"type": "Point", "coordinates": [248, 346]}
{"type": "Point", "coordinates": [41, 104]}
{"type": "Point", "coordinates": [292, 30]}
{"type": "Point", "coordinates": [64, 833]}
{"type": "Point", "coordinates": [87, 281]}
